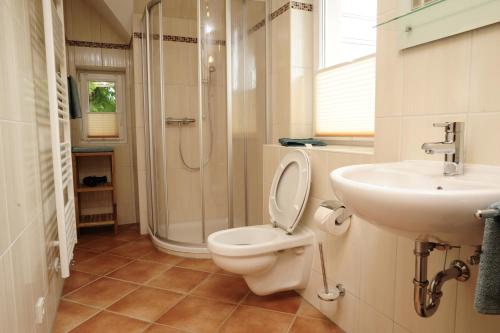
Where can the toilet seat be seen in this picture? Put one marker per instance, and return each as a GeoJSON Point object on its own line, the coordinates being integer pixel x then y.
{"type": "Point", "coordinates": [290, 190]}
{"type": "Point", "coordinates": [255, 240]}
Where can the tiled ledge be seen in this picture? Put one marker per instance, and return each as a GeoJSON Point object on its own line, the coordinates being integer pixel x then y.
{"type": "Point", "coordinates": [333, 148]}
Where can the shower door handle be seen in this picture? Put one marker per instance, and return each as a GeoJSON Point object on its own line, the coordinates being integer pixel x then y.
{"type": "Point", "coordinates": [180, 121]}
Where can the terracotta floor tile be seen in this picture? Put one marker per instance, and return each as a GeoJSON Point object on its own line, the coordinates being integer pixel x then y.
{"type": "Point", "coordinates": [69, 315]}
{"type": "Point", "coordinates": [102, 292]}
{"type": "Point", "coordinates": [101, 264]}
{"type": "Point", "coordinates": [134, 249]}
{"type": "Point", "coordinates": [249, 319]}
{"type": "Point", "coordinates": [146, 303]}
{"type": "Point", "coordinates": [288, 301]}
{"type": "Point", "coordinates": [223, 288]}
{"type": "Point", "coordinates": [162, 258]}
{"type": "Point", "coordinates": [156, 328]}
{"type": "Point", "coordinates": [197, 314]}
{"type": "Point", "coordinates": [129, 226]}
{"type": "Point", "coordinates": [102, 244]}
{"type": "Point", "coordinates": [106, 322]}
{"type": "Point", "coordinates": [307, 310]}
{"type": "Point", "coordinates": [80, 255]}
{"type": "Point", "coordinates": [308, 325]}
{"type": "Point", "coordinates": [223, 272]}
{"type": "Point", "coordinates": [139, 271]}
{"type": "Point", "coordinates": [76, 280]}
{"type": "Point", "coordinates": [178, 279]}
{"type": "Point", "coordinates": [128, 234]}
{"type": "Point", "coordinates": [206, 265]}
{"type": "Point", "coordinates": [85, 238]}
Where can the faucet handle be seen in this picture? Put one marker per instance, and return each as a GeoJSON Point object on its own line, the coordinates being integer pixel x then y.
{"type": "Point", "coordinates": [448, 126]}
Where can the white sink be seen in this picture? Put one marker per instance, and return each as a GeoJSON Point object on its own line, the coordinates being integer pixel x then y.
{"type": "Point", "coordinates": [414, 199]}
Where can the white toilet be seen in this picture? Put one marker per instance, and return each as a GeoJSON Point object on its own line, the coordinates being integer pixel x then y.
{"type": "Point", "coordinates": [278, 256]}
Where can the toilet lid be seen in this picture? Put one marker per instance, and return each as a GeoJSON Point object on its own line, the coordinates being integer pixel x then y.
{"type": "Point", "coordinates": [290, 190]}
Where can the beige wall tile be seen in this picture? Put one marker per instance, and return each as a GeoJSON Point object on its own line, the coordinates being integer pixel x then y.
{"type": "Point", "coordinates": [485, 72]}
{"type": "Point", "coordinates": [320, 185]}
{"type": "Point", "coordinates": [301, 96]}
{"type": "Point", "coordinates": [4, 221]}
{"type": "Point", "coordinates": [301, 38]}
{"type": "Point", "coordinates": [399, 329]}
{"type": "Point", "coordinates": [432, 83]}
{"type": "Point", "coordinates": [378, 268]}
{"type": "Point", "coordinates": [21, 176]}
{"type": "Point", "coordinates": [389, 75]}
{"type": "Point", "coordinates": [341, 250]}
{"type": "Point", "coordinates": [482, 138]}
{"type": "Point", "coordinates": [372, 321]}
{"type": "Point", "coordinates": [387, 139]}
{"type": "Point", "coordinates": [8, 313]}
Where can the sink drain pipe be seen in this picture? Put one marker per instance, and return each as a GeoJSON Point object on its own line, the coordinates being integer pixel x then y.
{"type": "Point", "coordinates": [427, 295]}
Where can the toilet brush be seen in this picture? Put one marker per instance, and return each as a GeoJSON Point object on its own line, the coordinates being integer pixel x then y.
{"type": "Point", "coordinates": [326, 294]}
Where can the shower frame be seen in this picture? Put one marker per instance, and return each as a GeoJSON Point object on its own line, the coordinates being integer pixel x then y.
{"type": "Point", "coordinates": [195, 249]}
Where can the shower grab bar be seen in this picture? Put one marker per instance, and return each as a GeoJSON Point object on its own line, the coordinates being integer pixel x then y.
{"type": "Point", "coordinates": [181, 121]}
{"type": "Point", "coordinates": [486, 213]}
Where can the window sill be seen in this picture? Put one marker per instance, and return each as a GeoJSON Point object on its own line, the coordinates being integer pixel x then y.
{"type": "Point", "coordinates": [362, 150]}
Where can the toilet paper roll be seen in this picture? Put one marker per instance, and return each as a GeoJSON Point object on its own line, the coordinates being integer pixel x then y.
{"type": "Point", "coordinates": [325, 220]}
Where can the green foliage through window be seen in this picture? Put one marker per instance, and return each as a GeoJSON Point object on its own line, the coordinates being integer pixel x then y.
{"type": "Point", "coordinates": [102, 96]}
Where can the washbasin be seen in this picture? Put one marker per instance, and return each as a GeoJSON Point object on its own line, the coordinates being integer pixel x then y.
{"type": "Point", "coordinates": [415, 200]}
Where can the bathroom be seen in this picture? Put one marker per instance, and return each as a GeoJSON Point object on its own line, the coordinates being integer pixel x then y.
{"type": "Point", "coordinates": [150, 192]}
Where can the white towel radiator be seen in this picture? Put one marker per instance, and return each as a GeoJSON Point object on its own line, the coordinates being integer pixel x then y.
{"type": "Point", "coordinates": [55, 51]}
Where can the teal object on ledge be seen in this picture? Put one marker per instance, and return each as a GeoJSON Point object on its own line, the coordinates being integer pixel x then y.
{"type": "Point", "coordinates": [96, 149]}
{"type": "Point", "coordinates": [288, 142]}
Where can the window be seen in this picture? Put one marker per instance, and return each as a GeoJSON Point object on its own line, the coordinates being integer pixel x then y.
{"type": "Point", "coordinates": [345, 68]}
{"type": "Point", "coordinates": [103, 106]}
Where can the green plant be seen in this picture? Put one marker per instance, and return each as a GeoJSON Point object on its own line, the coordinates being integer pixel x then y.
{"type": "Point", "coordinates": [102, 96]}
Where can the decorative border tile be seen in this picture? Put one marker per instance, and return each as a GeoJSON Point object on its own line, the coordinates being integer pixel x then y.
{"type": "Point", "coordinates": [99, 45]}
{"type": "Point", "coordinates": [257, 26]}
{"type": "Point", "coordinates": [302, 6]}
{"type": "Point", "coordinates": [294, 5]}
{"type": "Point", "coordinates": [180, 39]}
{"type": "Point", "coordinates": [280, 11]}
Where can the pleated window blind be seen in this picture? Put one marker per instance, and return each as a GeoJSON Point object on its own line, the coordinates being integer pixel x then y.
{"type": "Point", "coordinates": [103, 107]}
{"type": "Point", "coordinates": [345, 78]}
{"type": "Point", "coordinates": [345, 99]}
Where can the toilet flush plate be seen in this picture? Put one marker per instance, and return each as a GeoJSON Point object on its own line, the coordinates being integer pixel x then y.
{"type": "Point", "coordinates": [290, 190]}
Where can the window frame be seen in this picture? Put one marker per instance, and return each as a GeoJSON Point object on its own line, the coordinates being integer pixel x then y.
{"type": "Point", "coordinates": [121, 107]}
{"type": "Point", "coordinates": [319, 16]}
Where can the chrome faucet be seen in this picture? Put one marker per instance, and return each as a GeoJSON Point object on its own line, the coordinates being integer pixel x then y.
{"type": "Point", "coordinates": [452, 147]}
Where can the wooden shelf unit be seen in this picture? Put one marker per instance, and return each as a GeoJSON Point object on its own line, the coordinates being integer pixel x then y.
{"type": "Point", "coordinates": [94, 220]}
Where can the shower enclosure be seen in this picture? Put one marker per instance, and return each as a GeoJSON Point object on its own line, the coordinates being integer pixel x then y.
{"type": "Point", "coordinates": [204, 68]}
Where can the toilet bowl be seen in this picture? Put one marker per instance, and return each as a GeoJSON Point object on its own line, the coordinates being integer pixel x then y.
{"type": "Point", "coordinates": [278, 256]}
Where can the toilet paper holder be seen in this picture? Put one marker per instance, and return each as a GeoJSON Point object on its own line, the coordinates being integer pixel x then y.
{"type": "Point", "coordinates": [336, 205]}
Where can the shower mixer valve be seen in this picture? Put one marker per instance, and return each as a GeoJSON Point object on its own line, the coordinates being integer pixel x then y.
{"type": "Point", "coordinates": [180, 121]}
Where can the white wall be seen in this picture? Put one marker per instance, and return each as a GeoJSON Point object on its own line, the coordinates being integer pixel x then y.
{"type": "Point", "coordinates": [27, 204]}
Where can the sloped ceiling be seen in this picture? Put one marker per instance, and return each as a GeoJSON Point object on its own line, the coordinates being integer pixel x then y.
{"type": "Point", "coordinates": [122, 10]}
{"type": "Point", "coordinates": [118, 12]}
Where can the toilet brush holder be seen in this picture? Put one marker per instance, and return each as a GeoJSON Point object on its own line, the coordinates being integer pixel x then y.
{"type": "Point", "coordinates": [326, 294]}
